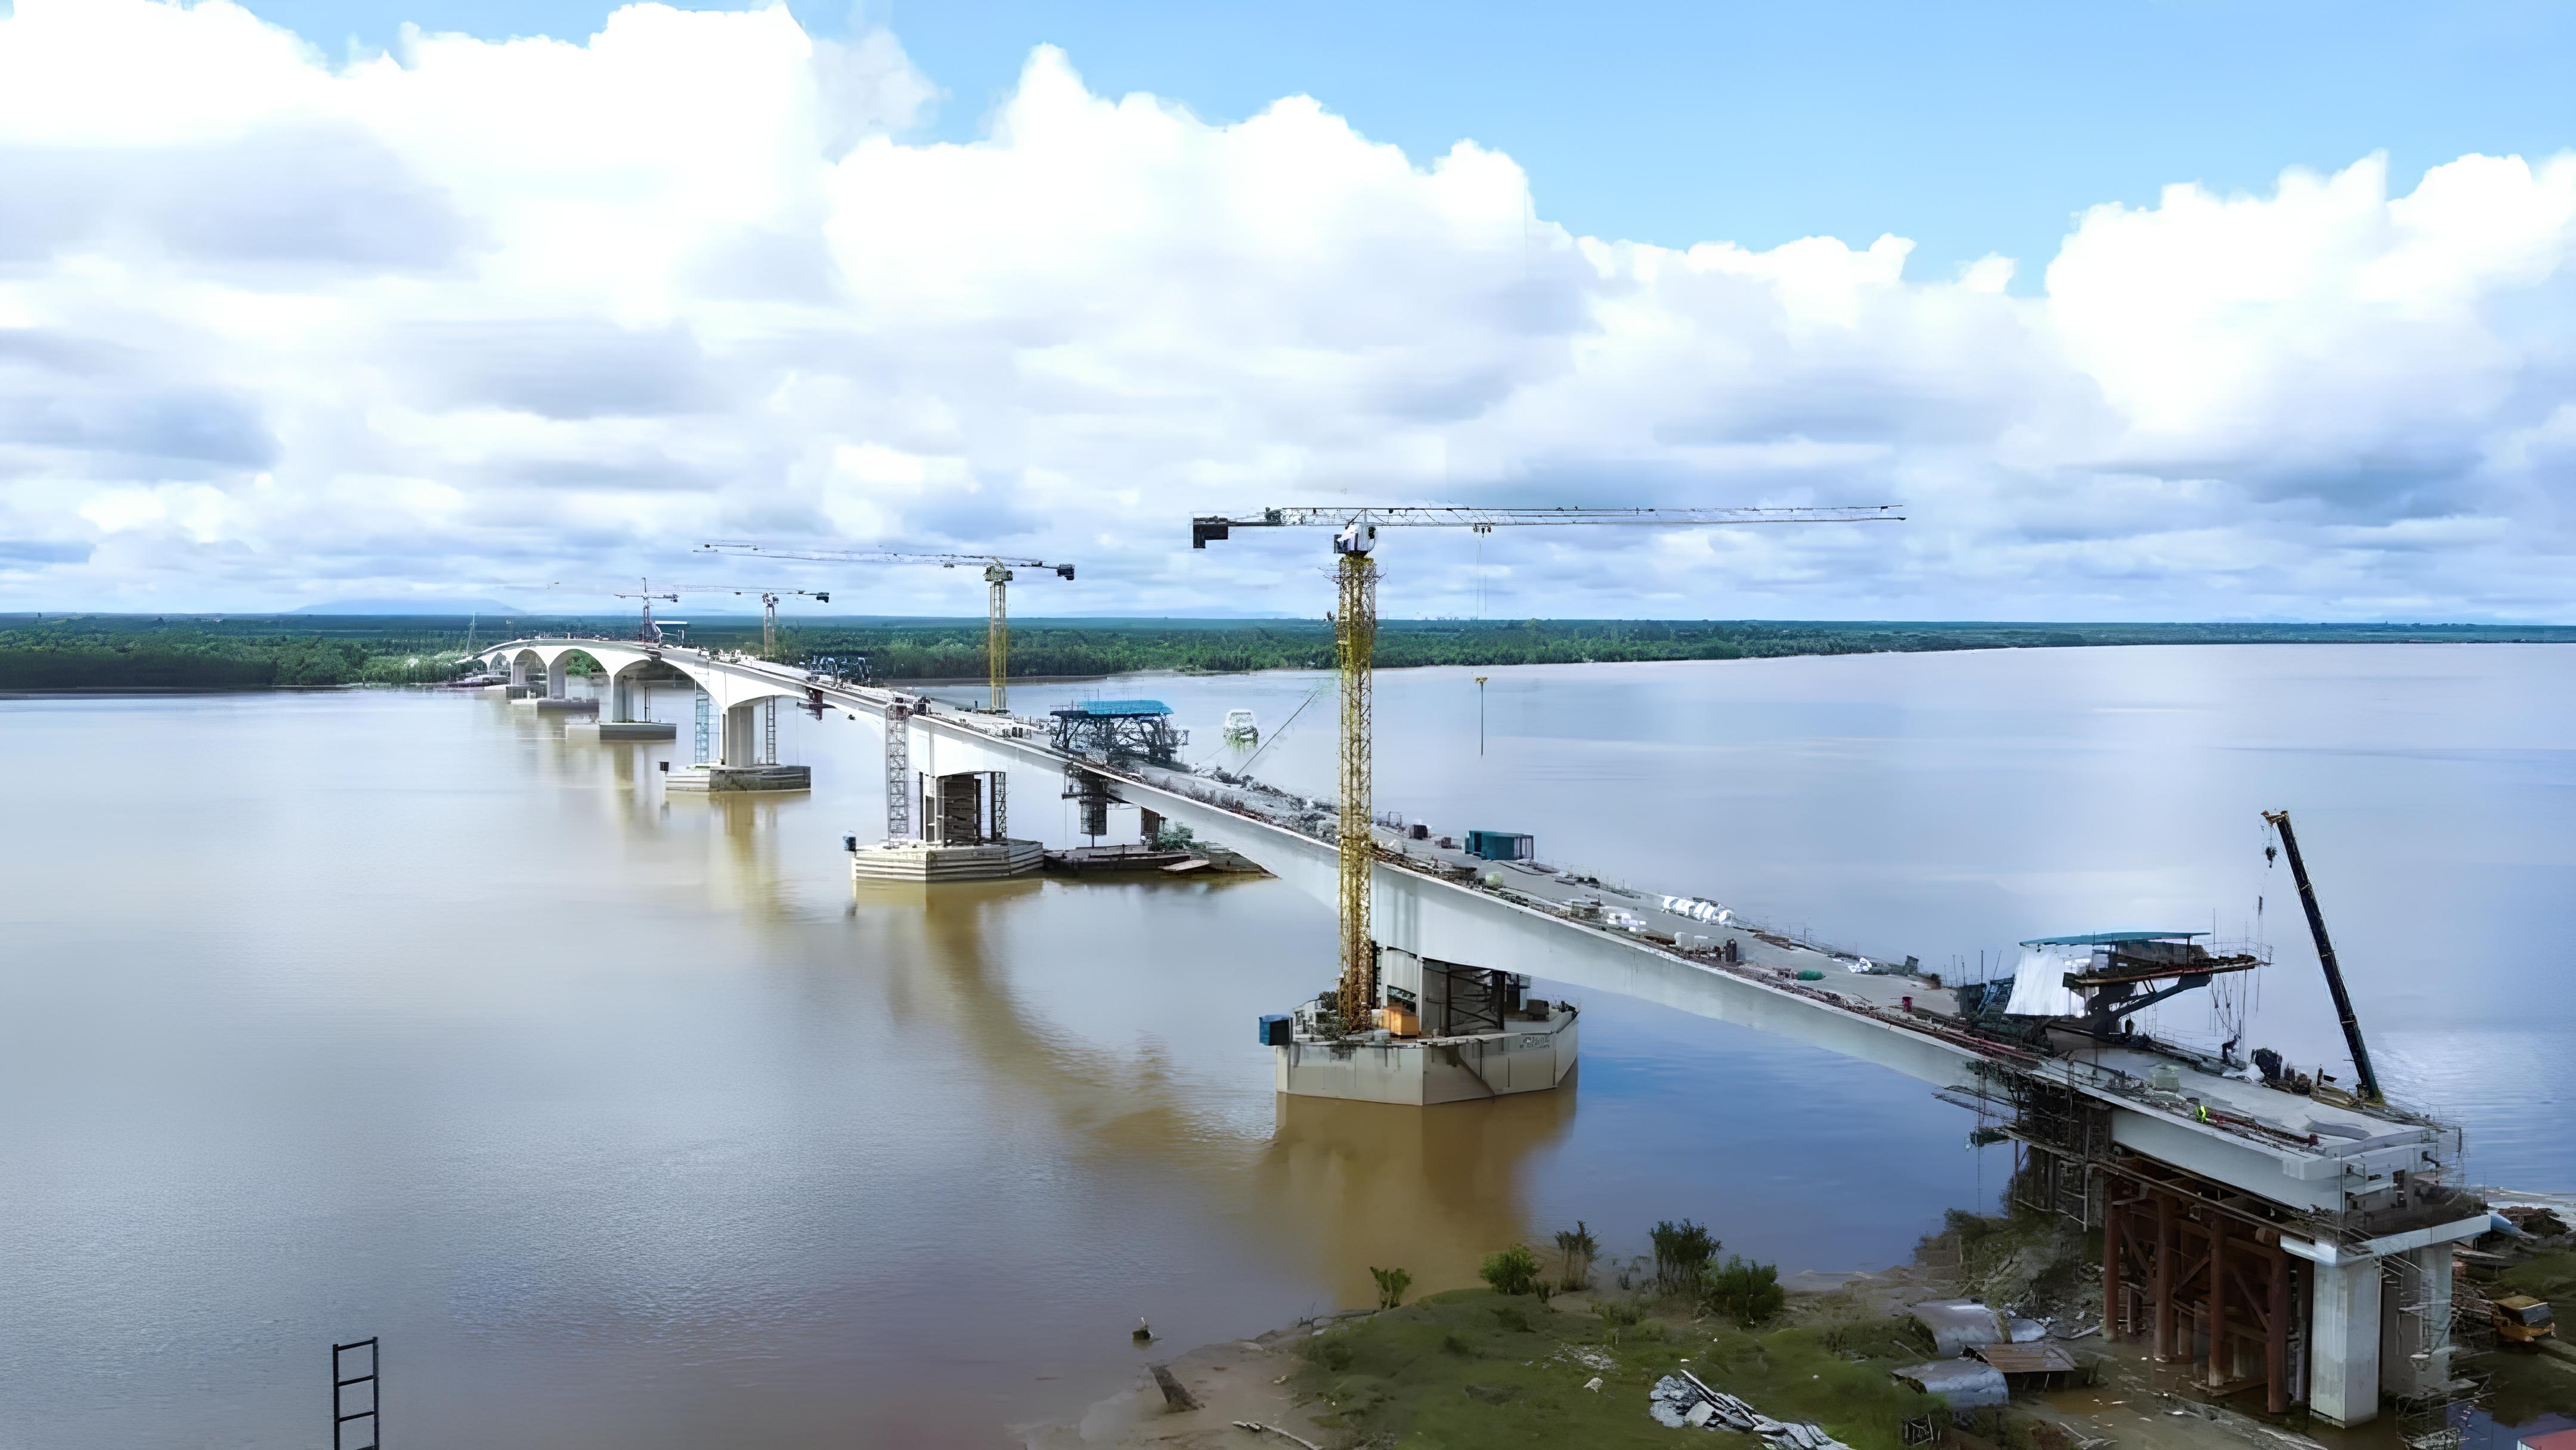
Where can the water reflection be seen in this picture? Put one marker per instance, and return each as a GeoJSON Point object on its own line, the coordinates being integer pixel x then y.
{"type": "Point", "coordinates": [1343, 1185]}
{"type": "Point", "coordinates": [1427, 1190]}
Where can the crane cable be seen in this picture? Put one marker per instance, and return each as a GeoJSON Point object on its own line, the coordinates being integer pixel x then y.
{"type": "Point", "coordinates": [1245, 768]}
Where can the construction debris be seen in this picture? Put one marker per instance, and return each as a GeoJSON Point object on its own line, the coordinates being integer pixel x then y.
{"type": "Point", "coordinates": [1261, 1429]}
{"type": "Point", "coordinates": [1681, 1401]}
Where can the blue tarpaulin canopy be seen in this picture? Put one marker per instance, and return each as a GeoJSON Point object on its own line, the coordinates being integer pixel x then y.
{"type": "Point", "coordinates": [1112, 709]}
{"type": "Point", "coordinates": [2111, 938]}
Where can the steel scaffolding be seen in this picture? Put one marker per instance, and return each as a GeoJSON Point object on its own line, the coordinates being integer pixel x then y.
{"type": "Point", "coordinates": [898, 770]}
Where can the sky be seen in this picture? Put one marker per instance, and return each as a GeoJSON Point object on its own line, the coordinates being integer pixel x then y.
{"type": "Point", "coordinates": [2162, 311]}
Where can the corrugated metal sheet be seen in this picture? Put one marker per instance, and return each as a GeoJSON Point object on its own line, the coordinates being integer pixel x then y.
{"type": "Point", "coordinates": [1958, 1325]}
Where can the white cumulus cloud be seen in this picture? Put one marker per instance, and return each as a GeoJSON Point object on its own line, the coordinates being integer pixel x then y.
{"type": "Point", "coordinates": [275, 328]}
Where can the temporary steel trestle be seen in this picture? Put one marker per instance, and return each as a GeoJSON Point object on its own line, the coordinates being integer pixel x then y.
{"type": "Point", "coordinates": [2206, 1279]}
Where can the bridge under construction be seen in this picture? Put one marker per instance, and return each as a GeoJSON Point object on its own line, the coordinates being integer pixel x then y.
{"type": "Point", "coordinates": [2287, 1244]}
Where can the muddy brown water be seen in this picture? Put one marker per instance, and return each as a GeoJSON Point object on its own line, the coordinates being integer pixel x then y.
{"type": "Point", "coordinates": [625, 1122]}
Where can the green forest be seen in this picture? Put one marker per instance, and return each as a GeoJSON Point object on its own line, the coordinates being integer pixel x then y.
{"type": "Point", "coordinates": [109, 651]}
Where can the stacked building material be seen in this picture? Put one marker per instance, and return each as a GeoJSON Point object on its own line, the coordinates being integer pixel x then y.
{"type": "Point", "coordinates": [1679, 1399]}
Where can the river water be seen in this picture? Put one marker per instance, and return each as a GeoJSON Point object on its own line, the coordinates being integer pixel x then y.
{"type": "Point", "coordinates": [625, 1122]}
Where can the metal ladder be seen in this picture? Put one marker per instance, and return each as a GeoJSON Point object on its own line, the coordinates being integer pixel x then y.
{"type": "Point", "coordinates": [341, 1385]}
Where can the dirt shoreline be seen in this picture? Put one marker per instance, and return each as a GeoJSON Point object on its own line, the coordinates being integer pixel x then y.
{"type": "Point", "coordinates": [1234, 1380]}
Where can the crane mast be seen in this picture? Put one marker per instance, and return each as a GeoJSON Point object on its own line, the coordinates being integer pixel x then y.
{"type": "Point", "coordinates": [1354, 651]}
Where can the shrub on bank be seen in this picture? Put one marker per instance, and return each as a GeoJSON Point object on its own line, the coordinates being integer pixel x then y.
{"type": "Point", "coordinates": [1512, 1271]}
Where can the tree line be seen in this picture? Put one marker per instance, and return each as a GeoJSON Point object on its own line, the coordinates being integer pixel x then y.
{"type": "Point", "coordinates": [272, 652]}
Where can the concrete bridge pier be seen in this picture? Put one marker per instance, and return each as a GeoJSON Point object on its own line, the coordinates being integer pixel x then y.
{"type": "Point", "coordinates": [742, 740]}
{"type": "Point", "coordinates": [2379, 1319]}
{"type": "Point", "coordinates": [558, 695]}
{"type": "Point", "coordinates": [630, 702]}
{"type": "Point", "coordinates": [2343, 1342]}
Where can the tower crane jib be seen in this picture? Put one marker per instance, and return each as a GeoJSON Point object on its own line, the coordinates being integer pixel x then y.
{"type": "Point", "coordinates": [648, 632]}
{"type": "Point", "coordinates": [997, 578]}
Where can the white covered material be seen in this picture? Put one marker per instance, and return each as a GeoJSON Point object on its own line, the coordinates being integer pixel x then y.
{"type": "Point", "coordinates": [2039, 982]}
{"type": "Point", "coordinates": [1960, 1325]}
{"type": "Point", "coordinates": [1963, 1384]}
{"type": "Point", "coordinates": [1695, 909]}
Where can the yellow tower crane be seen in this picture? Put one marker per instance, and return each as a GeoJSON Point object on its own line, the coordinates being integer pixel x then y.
{"type": "Point", "coordinates": [1355, 640]}
{"type": "Point", "coordinates": [997, 578]}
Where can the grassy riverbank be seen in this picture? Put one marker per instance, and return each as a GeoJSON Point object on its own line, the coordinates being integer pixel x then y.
{"type": "Point", "coordinates": [1476, 1368]}
{"type": "Point", "coordinates": [67, 652]}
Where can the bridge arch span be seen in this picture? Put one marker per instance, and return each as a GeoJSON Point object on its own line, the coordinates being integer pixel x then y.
{"type": "Point", "coordinates": [732, 687]}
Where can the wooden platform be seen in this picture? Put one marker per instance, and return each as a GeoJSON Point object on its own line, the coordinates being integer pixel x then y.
{"type": "Point", "coordinates": [1134, 857]}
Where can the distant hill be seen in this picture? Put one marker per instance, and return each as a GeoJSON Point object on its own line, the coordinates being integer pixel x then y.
{"type": "Point", "coordinates": [415, 604]}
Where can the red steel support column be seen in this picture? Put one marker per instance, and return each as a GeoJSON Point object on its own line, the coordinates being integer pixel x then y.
{"type": "Point", "coordinates": [2164, 1272]}
{"type": "Point", "coordinates": [2113, 1315]}
{"type": "Point", "coordinates": [2276, 1338]}
{"type": "Point", "coordinates": [2220, 1362]}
